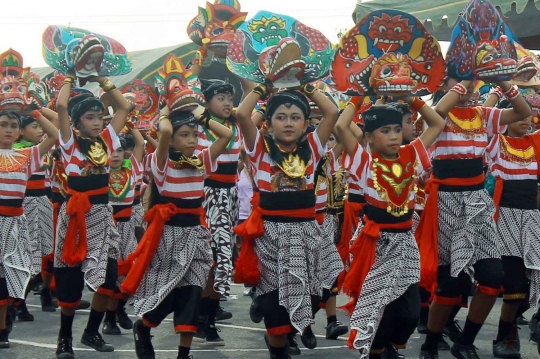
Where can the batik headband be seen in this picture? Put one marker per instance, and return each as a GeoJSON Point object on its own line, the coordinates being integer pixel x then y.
{"type": "Point", "coordinates": [181, 118]}
{"type": "Point", "coordinates": [288, 98]}
{"type": "Point", "coordinates": [210, 88]}
{"type": "Point", "coordinates": [84, 105]}
{"type": "Point", "coordinates": [381, 115]}
{"type": "Point", "coordinates": [401, 107]}
{"type": "Point", "coordinates": [25, 121]}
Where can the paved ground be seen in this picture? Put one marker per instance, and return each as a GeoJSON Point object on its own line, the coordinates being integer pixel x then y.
{"type": "Point", "coordinates": [244, 339]}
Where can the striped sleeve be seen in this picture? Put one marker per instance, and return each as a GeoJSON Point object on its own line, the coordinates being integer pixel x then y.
{"type": "Point", "coordinates": [493, 148]}
{"type": "Point", "coordinates": [333, 164]}
{"type": "Point", "coordinates": [35, 160]}
{"type": "Point", "coordinates": [492, 119]}
{"type": "Point", "coordinates": [257, 152]}
{"type": "Point", "coordinates": [68, 147]}
{"type": "Point", "coordinates": [356, 163]}
{"type": "Point", "coordinates": [317, 149]}
{"type": "Point", "coordinates": [209, 165]}
{"type": "Point", "coordinates": [422, 155]}
{"type": "Point", "coordinates": [111, 138]}
{"type": "Point", "coordinates": [159, 175]}
{"type": "Point", "coordinates": [136, 167]}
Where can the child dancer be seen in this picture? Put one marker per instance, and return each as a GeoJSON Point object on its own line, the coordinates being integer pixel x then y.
{"type": "Point", "coordinates": [282, 230]}
{"type": "Point", "coordinates": [458, 216]}
{"type": "Point", "coordinates": [122, 179]}
{"type": "Point", "coordinates": [86, 242]}
{"type": "Point", "coordinates": [385, 268]}
{"type": "Point", "coordinates": [16, 167]}
{"type": "Point", "coordinates": [38, 212]}
{"type": "Point", "coordinates": [174, 257]}
{"type": "Point", "coordinates": [513, 159]}
{"type": "Point", "coordinates": [137, 215]}
{"type": "Point", "coordinates": [221, 205]}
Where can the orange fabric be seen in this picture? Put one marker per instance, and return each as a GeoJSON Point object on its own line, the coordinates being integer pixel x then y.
{"type": "Point", "coordinates": [223, 178]}
{"type": "Point", "coordinates": [140, 259]}
{"type": "Point", "coordinates": [363, 251]}
{"type": "Point", "coordinates": [488, 290]}
{"type": "Point", "coordinates": [7, 211]}
{"type": "Point", "coordinates": [446, 300]}
{"type": "Point", "coordinates": [3, 302]}
{"type": "Point", "coordinates": [105, 291]}
{"type": "Point", "coordinates": [77, 207]}
{"type": "Point", "coordinates": [351, 215]}
{"type": "Point", "coordinates": [69, 305]}
{"type": "Point", "coordinates": [148, 324]}
{"type": "Point", "coordinates": [124, 213]}
{"type": "Point", "coordinates": [427, 231]}
{"type": "Point", "coordinates": [247, 266]}
{"type": "Point", "coordinates": [36, 184]}
{"type": "Point", "coordinates": [497, 194]}
{"type": "Point", "coordinates": [184, 328]}
{"type": "Point", "coordinates": [284, 329]}
{"type": "Point", "coordinates": [319, 217]}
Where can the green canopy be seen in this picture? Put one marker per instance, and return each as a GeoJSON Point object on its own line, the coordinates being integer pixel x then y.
{"type": "Point", "coordinates": [439, 16]}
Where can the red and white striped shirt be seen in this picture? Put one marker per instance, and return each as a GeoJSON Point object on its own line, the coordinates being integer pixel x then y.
{"type": "Point", "coordinates": [465, 135]}
{"type": "Point", "coordinates": [512, 158]}
{"type": "Point", "coordinates": [131, 173]}
{"type": "Point", "coordinates": [16, 166]}
{"type": "Point", "coordinates": [270, 178]}
{"type": "Point", "coordinates": [360, 163]}
{"type": "Point", "coordinates": [227, 159]}
{"type": "Point", "coordinates": [184, 183]}
{"type": "Point", "coordinates": [75, 162]}
{"type": "Point", "coordinates": [322, 186]}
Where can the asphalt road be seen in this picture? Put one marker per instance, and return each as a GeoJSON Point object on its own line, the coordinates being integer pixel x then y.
{"type": "Point", "coordinates": [244, 339]}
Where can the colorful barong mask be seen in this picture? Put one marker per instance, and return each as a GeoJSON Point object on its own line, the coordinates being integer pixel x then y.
{"type": "Point", "coordinates": [482, 45]}
{"type": "Point", "coordinates": [281, 49]}
{"type": "Point", "coordinates": [13, 87]}
{"type": "Point", "coordinates": [528, 68]}
{"type": "Point", "coordinates": [388, 52]}
{"type": "Point", "coordinates": [37, 91]}
{"type": "Point", "coordinates": [214, 26]}
{"type": "Point", "coordinates": [145, 102]}
{"type": "Point", "coordinates": [64, 47]}
{"type": "Point", "coordinates": [181, 88]}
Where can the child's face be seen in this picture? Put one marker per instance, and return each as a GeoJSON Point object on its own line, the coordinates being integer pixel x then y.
{"type": "Point", "coordinates": [9, 131]}
{"type": "Point", "coordinates": [288, 124]}
{"type": "Point", "coordinates": [407, 128]}
{"type": "Point", "coordinates": [32, 132]}
{"type": "Point", "coordinates": [117, 158]}
{"type": "Point", "coordinates": [386, 140]}
{"type": "Point", "coordinates": [185, 139]}
{"type": "Point", "coordinates": [221, 105]}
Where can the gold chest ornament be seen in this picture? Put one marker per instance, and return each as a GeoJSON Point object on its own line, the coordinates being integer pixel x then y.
{"type": "Point", "coordinates": [394, 183]}
{"type": "Point", "coordinates": [97, 154]}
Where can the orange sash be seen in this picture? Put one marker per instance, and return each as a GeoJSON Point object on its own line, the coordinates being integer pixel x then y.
{"type": "Point", "coordinates": [77, 207]}
{"type": "Point", "coordinates": [7, 211]}
{"type": "Point", "coordinates": [140, 259]}
{"type": "Point", "coordinates": [427, 231]}
{"type": "Point", "coordinates": [247, 266]}
{"type": "Point", "coordinates": [36, 184]}
{"type": "Point", "coordinates": [124, 213]}
{"type": "Point", "coordinates": [223, 178]}
{"type": "Point", "coordinates": [319, 217]}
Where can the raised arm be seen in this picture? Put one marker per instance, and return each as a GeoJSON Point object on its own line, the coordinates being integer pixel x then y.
{"type": "Point", "coordinates": [452, 98]}
{"type": "Point", "coordinates": [329, 112]}
{"type": "Point", "coordinates": [138, 151]}
{"type": "Point", "coordinates": [223, 134]}
{"type": "Point", "coordinates": [118, 101]}
{"type": "Point", "coordinates": [520, 109]}
{"type": "Point", "coordinates": [62, 108]}
{"type": "Point", "coordinates": [166, 129]}
{"type": "Point", "coordinates": [49, 129]}
{"type": "Point", "coordinates": [244, 111]}
{"type": "Point", "coordinates": [348, 139]}
{"type": "Point", "coordinates": [433, 120]}
{"type": "Point", "coordinates": [51, 116]}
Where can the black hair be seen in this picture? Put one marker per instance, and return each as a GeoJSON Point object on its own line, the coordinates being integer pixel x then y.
{"type": "Point", "coordinates": [12, 116]}
{"type": "Point", "coordinates": [210, 88]}
{"type": "Point", "coordinates": [288, 98]}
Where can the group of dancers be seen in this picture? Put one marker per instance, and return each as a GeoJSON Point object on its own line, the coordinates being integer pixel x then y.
{"type": "Point", "coordinates": [397, 222]}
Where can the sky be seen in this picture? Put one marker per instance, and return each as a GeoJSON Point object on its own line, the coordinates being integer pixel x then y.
{"type": "Point", "coordinates": [145, 24]}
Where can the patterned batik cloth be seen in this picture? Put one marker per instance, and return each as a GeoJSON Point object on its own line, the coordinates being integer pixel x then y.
{"type": "Point", "coordinates": [183, 258]}
{"type": "Point", "coordinates": [519, 230]}
{"type": "Point", "coordinates": [102, 238]}
{"type": "Point", "coordinates": [221, 206]}
{"type": "Point", "coordinates": [39, 218]}
{"type": "Point", "coordinates": [137, 216]}
{"type": "Point", "coordinates": [289, 261]}
{"type": "Point", "coordinates": [415, 221]}
{"type": "Point", "coordinates": [331, 264]}
{"type": "Point", "coordinates": [15, 255]}
{"type": "Point", "coordinates": [396, 268]}
{"type": "Point", "coordinates": [128, 242]}
{"type": "Point", "coordinates": [467, 231]}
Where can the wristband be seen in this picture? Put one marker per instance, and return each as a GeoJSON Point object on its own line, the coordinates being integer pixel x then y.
{"type": "Point", "coordinates": [107, 85]}
{"type": "Point", "coordinates": [309, 89]}
{"type": "Point", "coordinates": [459, 89]}
{"type": "Point", "coordinates": [417, 104]}
{"type": "Point", "coordinates": [511, 93]}
{"type": "Point", "coordinates": [163, 117]}
{"type": "Point", "coordinates": [497, 91]}
{"type": "Point", "coordinates": [261, 90]}
{"type": "Point", "coordinates": [36, 114]}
